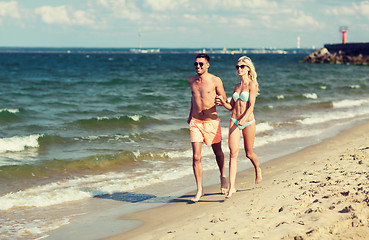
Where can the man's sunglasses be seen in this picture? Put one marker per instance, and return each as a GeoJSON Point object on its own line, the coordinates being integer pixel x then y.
{"type": "Point", "coordinates": [198, 63]}
{"type": "Point", "coordinates": [240, 66]}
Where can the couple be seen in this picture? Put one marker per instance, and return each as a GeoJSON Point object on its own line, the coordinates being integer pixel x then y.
{"type": "Point", "coordinates": [207, 93]}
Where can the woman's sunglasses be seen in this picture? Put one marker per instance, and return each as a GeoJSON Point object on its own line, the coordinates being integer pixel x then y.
{"type": "Point", "coordinates": [198, 63]}
{"type": "Point", "coordinates": [240, 66]}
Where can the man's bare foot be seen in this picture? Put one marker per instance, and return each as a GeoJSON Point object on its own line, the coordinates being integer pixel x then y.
{"type": "Point", "coordinates": [258, 176]}
{"type": "Point", "coordinates": [223, 185]}
{"type": "Point", "coordinates": [197, 197]}
{"type": "Point", "coordinates": [231, 191]}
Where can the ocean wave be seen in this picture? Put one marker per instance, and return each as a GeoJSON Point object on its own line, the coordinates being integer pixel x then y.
{"type": "Point", "coordinates": [129, 121]}
{"type": "Point", "coordinates": [310, 95]}
{"type": "Point", "coordinates": [355, 86]}
{"type": "Point", "coordinates": [32, 228]}
{"type": "Point", "coordinates": [8, 115]}
{"type": "Point", "coordinates": [263, 127]}
{"type": "Point", "coordinates": [14, 111]}
{"type": "Point", "coordinates": [287, 135]}
{"type": "Point", "coordinates": [331, 116]}
{"type": "Point", "coordinates": [89, 186]}
{"type": "Point", "coordinates": [19, 143]}
{"type": "Point", "coordinates": [86, 165]}
{"type": "Point", "coordinates": [48, 140]}
{"type": "Point", "coordinates": [178, 154]}
{"type": "Point", "coordinates": [350, 103]}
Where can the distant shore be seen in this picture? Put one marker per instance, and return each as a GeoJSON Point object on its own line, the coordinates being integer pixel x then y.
{"type": "Point", "coordinates": [84, 50]}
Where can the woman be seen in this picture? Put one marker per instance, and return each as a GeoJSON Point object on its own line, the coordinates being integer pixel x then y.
{"type": "Point", "coordinates": [242, 119]}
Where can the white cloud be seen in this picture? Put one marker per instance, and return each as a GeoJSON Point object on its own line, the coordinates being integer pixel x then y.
{"type": "Point", "coordinates": [13, 12]}
{"type": "Point", "coordinates": [216, 21]}
{"type": "Point", "coordinates": [10, 9]}
{"type": "Point", "coordinates": [64, 16]}
{"type": "Point", "coordinates": [363, 8]}
{"type": "Point", "coordinates": [82, 18]}
{"type": "Point", "coordinates": [166, 5]}
{"type": "Point", "coordinates": [125, 9]}
{"type": "Point", "coordinates": [268, 22]}
{"type": "Point", "coordinates": [191, 18]}
{"type": "Point", "coordinates": [300, 19]}
{"type": "Point", "coordinates": [236, 5]}
{"type": "Point", "coordinates": [54, 15]}
{"type": "Point", "coordinates": [262, 4]}
{"type": "Point", "coordinates": [343, 10]}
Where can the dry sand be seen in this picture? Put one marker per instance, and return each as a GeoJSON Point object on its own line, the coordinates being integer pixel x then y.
{"type": "Point", "coordinates": [320, 192]}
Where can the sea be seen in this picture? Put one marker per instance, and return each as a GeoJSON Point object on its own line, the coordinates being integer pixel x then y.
{"type": "Point", "coordinates": [84, 124]}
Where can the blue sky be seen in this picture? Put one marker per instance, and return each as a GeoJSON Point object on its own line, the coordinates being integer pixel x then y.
{"type": "Point", "coordinates": [181, 23]}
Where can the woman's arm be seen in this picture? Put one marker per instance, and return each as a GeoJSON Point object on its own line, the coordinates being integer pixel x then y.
{"type": "Point", "coordinates": [220, 101]}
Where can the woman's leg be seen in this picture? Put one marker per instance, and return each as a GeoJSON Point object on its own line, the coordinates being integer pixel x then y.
{"type": "Point", "coordinates": [249, 139]}
{"type": "Point", "coordinates": [234, 146]}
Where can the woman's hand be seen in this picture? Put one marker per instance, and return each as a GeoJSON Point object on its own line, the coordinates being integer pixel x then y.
{"type": "Point", "coordinates": [219, 101]}
{"type": "Point", "coordinates": [242, 122]}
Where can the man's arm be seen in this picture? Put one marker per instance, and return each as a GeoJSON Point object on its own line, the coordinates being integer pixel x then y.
{"type": "Point", "coordinates": [189, 80]}
{"type": "Point", "coordinates": [221, 98]}
{"type": "Point", "coordinates": [219, 89]}
{"type": "Point", "coordinates": [190, 114]}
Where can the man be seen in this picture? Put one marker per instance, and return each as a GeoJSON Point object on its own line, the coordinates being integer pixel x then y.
{"type": "Point", "coordinates": [203, 120]}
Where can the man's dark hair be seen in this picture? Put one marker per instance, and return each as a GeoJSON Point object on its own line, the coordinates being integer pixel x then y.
{"type": "Point", "coordinates": [203, 55]}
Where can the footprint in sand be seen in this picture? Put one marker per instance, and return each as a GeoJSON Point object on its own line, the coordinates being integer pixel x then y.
{"type": "Point", "coordinates": [216, 220]}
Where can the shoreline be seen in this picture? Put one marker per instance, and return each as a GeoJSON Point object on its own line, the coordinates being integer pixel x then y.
{"type": "Point", "coordinates": [293, 212]}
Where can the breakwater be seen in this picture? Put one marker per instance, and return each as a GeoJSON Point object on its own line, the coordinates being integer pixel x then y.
{"type": "Point", "coordinates": [352, 53]}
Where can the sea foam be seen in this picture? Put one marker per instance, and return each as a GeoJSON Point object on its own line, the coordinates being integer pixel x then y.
{"type": "Point", "coordinates": [19, 143]}
{"type": "Point", "coordinates": [89, 186]}
{"type": "Point", "coordinates": [330, 116]}
{"type": "Point", "coordinates": [31, 228]}
{"type": "Point", "coordinates": [350, 103]}
{"type": "Point", "coordinates": [263, 127]}
{"type": "Point", "coordinates": [9, 110]}
{"type": "Point", "coordinates": [135, 117]}
{"type": "Point", "coordinates": [310, 95]}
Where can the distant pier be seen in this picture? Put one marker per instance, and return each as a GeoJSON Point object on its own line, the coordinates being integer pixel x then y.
{"type": "Point", "coordinates": [350, 53]}
{"type": "Point", "coordinates": [352, 49]}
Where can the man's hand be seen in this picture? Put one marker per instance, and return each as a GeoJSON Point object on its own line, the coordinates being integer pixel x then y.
{"type": "Point", "coordinates": [219, 101]}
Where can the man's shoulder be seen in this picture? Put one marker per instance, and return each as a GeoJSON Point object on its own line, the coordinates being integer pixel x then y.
{"type": "Point", "coordinates": [210, 77]}
{"type": "Point", "coordinates": [192, 79]}
{"type": "Point", "coordinates": [215, 79]}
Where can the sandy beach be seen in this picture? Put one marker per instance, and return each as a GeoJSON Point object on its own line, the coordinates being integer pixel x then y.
{"type": "Point", "coordinates": [320, 192]}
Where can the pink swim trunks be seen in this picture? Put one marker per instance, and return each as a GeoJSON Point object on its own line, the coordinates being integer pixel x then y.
{"type": "Point", "coordinates": [205, 131]}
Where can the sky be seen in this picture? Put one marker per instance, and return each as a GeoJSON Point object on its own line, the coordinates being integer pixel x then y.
{"type": "Point", "coordinates": [181, 23]}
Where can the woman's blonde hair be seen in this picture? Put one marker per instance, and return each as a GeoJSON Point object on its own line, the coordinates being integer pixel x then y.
{"type": "Point", "coordinates": [252, 73]}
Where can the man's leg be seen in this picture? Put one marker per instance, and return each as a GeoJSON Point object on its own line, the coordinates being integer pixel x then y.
{"type": "Point", "coordinates": [219, 156]}
{"type": "Point", "coordinates": [197, 170]}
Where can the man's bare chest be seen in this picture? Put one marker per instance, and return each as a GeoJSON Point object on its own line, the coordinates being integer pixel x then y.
{"type": "Point", "coordinates": [203, 89]}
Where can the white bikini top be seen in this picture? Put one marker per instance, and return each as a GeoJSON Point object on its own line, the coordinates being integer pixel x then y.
{"type": "Point", "coordinates": [244, 96]}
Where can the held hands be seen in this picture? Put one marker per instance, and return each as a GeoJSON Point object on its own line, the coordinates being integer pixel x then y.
{"type": "Point", "coordinates": [219, 101]}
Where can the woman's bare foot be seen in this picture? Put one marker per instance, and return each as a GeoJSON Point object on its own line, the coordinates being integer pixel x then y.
{"type": "Point", "coordinates": [223, 185]}
{"type": "Point", "coordinates": [258, 176]}
{"type": "Point", "coordinates": [231, 191]}
{"type": "Point", "coordinates": [197, 197]}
